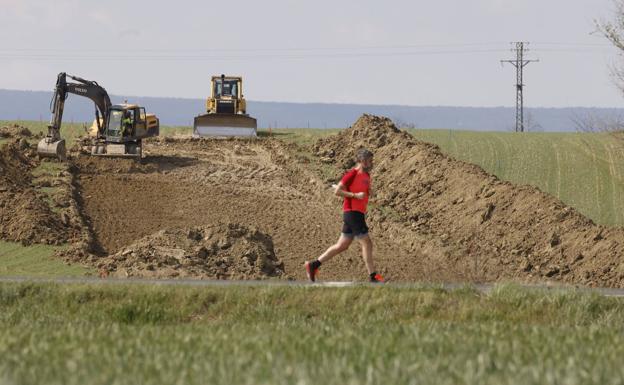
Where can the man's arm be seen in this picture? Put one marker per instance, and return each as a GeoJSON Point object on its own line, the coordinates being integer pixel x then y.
{"type": "Point", "coordinates": [340, 191]}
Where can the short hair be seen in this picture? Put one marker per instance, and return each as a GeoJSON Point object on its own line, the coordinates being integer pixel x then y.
{"type": "Point", "coordinates": [363, 154]}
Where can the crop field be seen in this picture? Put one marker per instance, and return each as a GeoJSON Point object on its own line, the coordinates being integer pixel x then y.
{"type": "Point", "coordinates": [131, 334]}
{"type": "Point", "coordinates": [584, 170]}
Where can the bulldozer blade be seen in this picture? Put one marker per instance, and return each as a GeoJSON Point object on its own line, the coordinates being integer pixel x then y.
{"type": "Point", "coordinates": [220, 125]}
{"type": "Point", "coordinates": [49, 148]}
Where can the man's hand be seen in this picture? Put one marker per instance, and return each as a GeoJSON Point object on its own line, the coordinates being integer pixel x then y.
{"type": "Point", "coordinates": [359, 195]}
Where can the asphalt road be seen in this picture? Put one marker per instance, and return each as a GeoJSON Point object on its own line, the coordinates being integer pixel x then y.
{"type": "Point", "coordinates": [484, 288]}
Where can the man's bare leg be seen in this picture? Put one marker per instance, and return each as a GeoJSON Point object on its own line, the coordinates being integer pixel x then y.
{"type": "Point", "coordinates": [367, 253]}
{"type": "Point", "coordinates": [343, 244]}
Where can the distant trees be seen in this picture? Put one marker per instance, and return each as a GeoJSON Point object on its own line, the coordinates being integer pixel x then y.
{"type": "Point", "coordinates": [530, 124]}
{"type": "Point", "coordinates": [614, 31]}
{"type": "Point", "coordinates": [591, 122]}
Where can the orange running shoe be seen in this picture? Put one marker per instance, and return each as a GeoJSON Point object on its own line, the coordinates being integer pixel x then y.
{"type": "Point", "coordinates": [376, 278]}
{"type": "Point", "coordinates": [311, 271]}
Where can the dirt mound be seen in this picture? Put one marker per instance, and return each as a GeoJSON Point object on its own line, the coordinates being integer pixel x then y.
{"type": "Point", "coordinates": [15, 166]}
{"type": "Point", "coordinates": [15, 131]}
{"type": "Point", "coordinates": [24, 214]}
{"type": "Point", "coordinates": [461, 223]}
{"type": "Point", "coordinates": [219, 252]}
{"type": "Point", "coordinates": [368, 131]}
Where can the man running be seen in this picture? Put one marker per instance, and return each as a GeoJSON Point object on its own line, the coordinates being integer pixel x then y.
{"type": "Point", "coordinates": [354, 187]}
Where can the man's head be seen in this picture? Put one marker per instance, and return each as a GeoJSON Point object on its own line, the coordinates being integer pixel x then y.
{"type": "Point", "coordinates": [365, 158]}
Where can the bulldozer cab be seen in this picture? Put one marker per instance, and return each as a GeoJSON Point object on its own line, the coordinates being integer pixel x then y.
{"type": "Point", "coordinates": [227, 95]}
{"type": "Point", "coordinates": [226, 88]}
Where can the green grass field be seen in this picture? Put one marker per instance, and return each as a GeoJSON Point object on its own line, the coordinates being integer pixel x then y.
{"type": "Point", "coordinates": [584, 170]}
{"type": "Point", "coordinates": [34, 261]}
{"type": "Point", "coordinates": [140, 334]}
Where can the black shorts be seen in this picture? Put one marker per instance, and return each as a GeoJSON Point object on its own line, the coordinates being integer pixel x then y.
{"type": "Point", "coordinates": [354, 224]}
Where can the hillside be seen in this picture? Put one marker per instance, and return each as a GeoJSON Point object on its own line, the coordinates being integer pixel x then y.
{"type": "Point", "coordinates": [584, 170]}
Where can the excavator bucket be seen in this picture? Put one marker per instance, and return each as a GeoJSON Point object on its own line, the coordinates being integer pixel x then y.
{"type": "Point", "coordinates": [223, 125]}
{"type": "Point", "coordinates": [50, 148]}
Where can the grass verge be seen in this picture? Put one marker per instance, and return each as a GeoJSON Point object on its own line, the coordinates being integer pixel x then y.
{"type": "Point", "coordinates": [34, 261]}
{"type": "Point", "coordinates": [130, 334]}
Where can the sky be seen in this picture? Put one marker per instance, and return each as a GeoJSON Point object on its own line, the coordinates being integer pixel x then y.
{"type": "Point", "coordinates": [418, 53]}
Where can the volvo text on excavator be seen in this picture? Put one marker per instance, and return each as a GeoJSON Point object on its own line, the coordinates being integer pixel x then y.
{"type": "Point", "coordinates": [120, 127]}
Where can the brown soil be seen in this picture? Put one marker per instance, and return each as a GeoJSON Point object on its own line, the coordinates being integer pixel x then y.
{"type": "Point", "coordinates": [432, 218]}
{"type": "Point", "coordinates": [459, 223]}
{"type": "Point", "coordinates": [24, 214]}
{"type": "Point", "coordinates": [15, 131]}
{"type": "Point", "coordinates": [184, 183]}
{"type": "Point", "coordinates": [218, 252]}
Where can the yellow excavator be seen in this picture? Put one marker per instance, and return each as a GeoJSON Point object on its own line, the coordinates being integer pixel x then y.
{"type": "Point", "coordinates": [226, 111]}
{"type": "Point", "coordinates": [117, 130]}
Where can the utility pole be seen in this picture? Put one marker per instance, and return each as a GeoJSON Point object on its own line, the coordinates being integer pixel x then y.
{"type": "Point", "coordinates": [519, 63]}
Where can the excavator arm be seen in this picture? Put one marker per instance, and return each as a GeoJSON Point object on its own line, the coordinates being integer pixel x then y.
{"type": "Point", "coordinates": [53, 145]}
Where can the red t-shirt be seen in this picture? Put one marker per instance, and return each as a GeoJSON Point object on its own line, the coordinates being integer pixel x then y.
{"type": "Point", "coordinates": [356, 181]}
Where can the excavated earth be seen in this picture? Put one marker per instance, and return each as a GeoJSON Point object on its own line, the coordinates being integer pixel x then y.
{"type": "Point", "coordinates": [263, 184]}
{"type": "Point", "coordinates": [249, 209]}
{"type": "Point", "coordinates": [218, 252]}
{"type": "Point", "coordinates": [15, 131]}
{"type": "Point", "coordinates": [459, 223]}
{"type": "Point", "coordinates": [25, 215]}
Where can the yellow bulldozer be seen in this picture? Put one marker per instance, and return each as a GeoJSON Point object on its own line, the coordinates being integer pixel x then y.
{"type": "Point", "coordinates": [226, 111]}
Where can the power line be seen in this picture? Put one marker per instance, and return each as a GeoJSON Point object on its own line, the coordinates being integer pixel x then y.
{"type": "Point", "coordinates": [519, 63]}
{"type": "Point", "coordinates": [257, 49]}
{"type": "Point", "coordinates": [165, 57]}
{"type": "Point", "coordinates": [275, 53]}
{"type": "Point", "coordinates": [297, 49]}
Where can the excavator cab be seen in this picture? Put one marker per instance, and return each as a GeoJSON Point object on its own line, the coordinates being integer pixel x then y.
{"type": "Point", "coordinates": [127, 124]}
{"type": "Point", "coordinates": [115, 125]}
